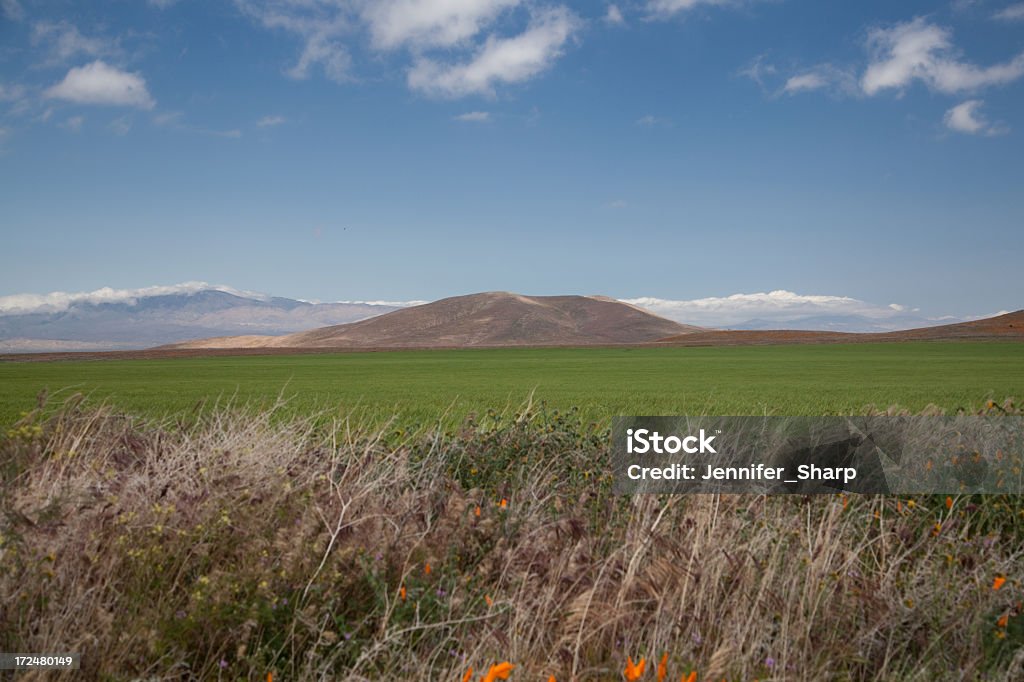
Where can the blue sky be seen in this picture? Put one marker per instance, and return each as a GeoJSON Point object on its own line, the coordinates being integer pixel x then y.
{"type": "Point", "coordinates": [400, 149]}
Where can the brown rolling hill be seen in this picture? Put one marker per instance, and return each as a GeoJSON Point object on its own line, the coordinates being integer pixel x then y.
{"type": "Point", "coordinates": [493, 319]}
{"type": "Point", "coordinates": [1009, 327]}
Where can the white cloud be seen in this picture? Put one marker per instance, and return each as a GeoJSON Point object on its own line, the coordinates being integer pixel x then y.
{"type": "Point", "coordinates": [822, 77]}
{"type": "Point", "coordinates": [618, 203]}
{"type": "Point", "coordinates": [390, 304]}
{"type": "Point", "coordinates": [73, 124]}
{"type": "Point", "coordinates": [11, 93]}
{"type": "Point", "coordinates": [614, 16]}
{"type": "Point", "coordinates": [917, 50]}
{"type": "Point", "coordinates": [650, 121]}
{"type": "Point", "coordinates": [328, 53]}
{"type": "Point", "coordinates": [759, 70]}
{"type": "Point", "coordinates": [777, 307]}
{"type": "Point", "coordinates": [499, 60]}
{"type": "Point", "coordinates": [474, 116]}
{"type": "Point", "coordinates": [168, 118]}
{"type": "Point", "coordinates": [270, 121]}
{"type": "Point", "coordinates": [64, 42]}
{"type": "Point", "coordinates": [120, 126]}
{"type": "Point", "coordinates": [320, 24]}
{"type": "Point", "coordinates": [174, 120]}
{"type": "Point", "coordinates": [805, 81]}
{"type": "Point", "coordinates": [100, 83]}
{"type": "Point", "coordinates": [966, 117]}
{"type": "Point", "coordinates": [1011, 13]}
{"type": "Point", "coordinates": [667, 8]}
{"type": "Point", "coordinates": [12, 9]}
{"type": "Point", "coordinates": [429, 23]}
{"type": "Point", "coordinates": [444, 38]}
{"type": "Point", "coordinates": [58, 301]}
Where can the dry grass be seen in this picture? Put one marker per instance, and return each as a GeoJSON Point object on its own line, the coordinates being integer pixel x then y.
{"type": "Point", "coordinates": [241, 544]}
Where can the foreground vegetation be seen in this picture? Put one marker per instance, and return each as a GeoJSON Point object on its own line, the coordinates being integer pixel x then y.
{"type": "Point", "coordinates": [243, 542]}
{"type": "Point", "coordinates": [422, 386]}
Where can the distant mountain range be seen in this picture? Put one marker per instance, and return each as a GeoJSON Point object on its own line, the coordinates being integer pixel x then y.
{"type": "Point", "coordinates": [491, 319]}
{"type": "Point", "coordinates": [846, 323]}
{"type": "Point", "coordinates": [198, 316]}
{"type": "Point", "coordinates": [147, 321]}
{"type": "Point", "coordinates": [1006, 327]}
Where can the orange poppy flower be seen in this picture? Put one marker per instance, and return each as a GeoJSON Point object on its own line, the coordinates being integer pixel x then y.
{"type": "Point", "coordinates": [500, 671]}
{"type": "Point", "coordinates": [633, 671]}
{"type": "Point", "coordinates": [1004, 620]}
{"type": "Point", "coordinates": [401, 592]}
{"type": "Point", "coordinates": [998, 582]}
{"type": "Point", "coordinates": [663, 667]}
{"type": "Point", "coordinates": [692, 677]}
{"type": "Point", "coordinates": [468, 675]}
{"type": "Point", "coordinates": [949, 503]}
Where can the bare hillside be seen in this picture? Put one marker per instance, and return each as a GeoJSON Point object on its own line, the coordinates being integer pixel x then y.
{"type": "Point", "coordinates": [481, 320]}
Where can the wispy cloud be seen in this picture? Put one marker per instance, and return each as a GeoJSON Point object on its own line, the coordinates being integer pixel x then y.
{"type": "Point", "coordinates": [652, 121]}
{"type": "Point", "coordinates": [73, 124]}
{"type": "Point", "coordinates": [174, 120]}
{"type": "Point", "coordinates": [451, 57]}
{"type": "Point", "coordinates": [120, 126]}
{"type": "Point", "coordinates": [966, 117]}
{"type": "Point", "coordinates": [168, 118]}
{"type": "Point", "coordinates": [663, 9]}
{"type": "Point", "coordinates": [805, 81]}
{"type": "Point", "coordinates": [321, 25]}
{"type": "Point", "coordinates": [63, 42]}
{"type": "Point", "coordinates": [12, 10]}
{"type": "Point", "coordinates": [774, 307]}
{"type": "Point", "coordinates": [390, 304]}
{"type": "Point", "coordinates": [759, 70]}
{"type": "Point", "coordinates": [58, 301]}
{"type": "Point", "coordinates": [1011, 13]}
{"type": "Point", "coordinates": [822, 77]}
{"type": "Point", "coordinates": [916, 51]}
{"type": "Point", "coordinates": [270, 121]}
{"type": "Point", "coordinates": [499, 60]}
{"type": "Point", "coordinates": [921, 51]}
{"type": "Point", "coordinates": [474, 116]}
{"type": "Point", "coordinates": [12, 93]}
{"type": "Point", "coordinates": [403, 23]}
{"type": "Point", "coordinates": [613, 16]}
{"type": "Point", "coordinates": [101, 84]}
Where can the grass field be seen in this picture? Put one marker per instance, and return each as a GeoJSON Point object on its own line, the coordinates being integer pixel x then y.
{"type": "Point", "coordinates": [253, 539]}
{"type": "Point", "coordinates": [243, 544]}
{"type": "Point", "coordinates": [419, 386]}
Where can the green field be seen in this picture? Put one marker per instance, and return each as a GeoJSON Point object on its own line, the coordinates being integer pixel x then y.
{"type": "Point", "coordinates": [422, 385]}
